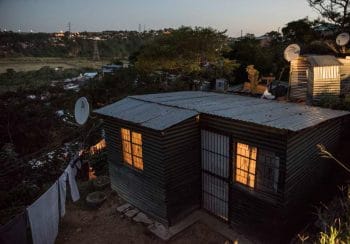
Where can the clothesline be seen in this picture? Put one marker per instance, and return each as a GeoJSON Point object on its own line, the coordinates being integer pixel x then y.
{"type": "Point", "coordinates": [44, 214]}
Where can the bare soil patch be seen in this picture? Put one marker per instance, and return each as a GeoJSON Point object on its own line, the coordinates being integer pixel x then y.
{"type": "Point", "coordinates": [106, 225]}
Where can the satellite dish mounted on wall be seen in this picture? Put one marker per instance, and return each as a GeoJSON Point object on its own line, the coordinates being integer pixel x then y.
{"type": "Point", "coordinates": [81, 110]}
{"type": "Point", "coordinates": [343, 39]}
{"type": "Point", "coordinates": [291, 52]}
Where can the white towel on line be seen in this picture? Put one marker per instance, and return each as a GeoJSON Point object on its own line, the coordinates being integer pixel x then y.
{"type": "Point", "coordinates": [72, 172]}
{"type": "Point", "coordinates": [62, 183]}
{"type": "Point", "coordinates": [44, 216]}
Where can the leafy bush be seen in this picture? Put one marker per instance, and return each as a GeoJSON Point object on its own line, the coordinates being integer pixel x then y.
{"type": "Point", "coordinates": [334, 220]}
{"type": "Point", "coordinates": [99, 163]}
{"type": "Point", "coordinates": [334, 102]}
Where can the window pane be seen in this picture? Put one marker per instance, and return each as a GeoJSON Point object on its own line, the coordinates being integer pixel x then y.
{"type": "Point", "coordinates": [253, 152]}
{"type": "Point", "coordinates": [241, 176]}
{"type": "Point", "coordinates": [138, 163]}
{"type": "Point", "coordinates": [125, 134]}
{"type": "Point", "coordinates": [127, 158]}
{"type": "Point", "coordinates": [136, 138]}
{"type": "Point", "coordinates": [243, 149]}
{"type": "Point", "coordinates": [242, 163]}
{"type": "Point", "coordinates": [251, 180]}
{"type": "Point", "coordinates": [252, 166]}
{"type": "Point", "coordinates": [269, 163]}
{"type": "Point", "coordinates": [126, 146]}
{"type": "Point", "coordinates": [137, 150]}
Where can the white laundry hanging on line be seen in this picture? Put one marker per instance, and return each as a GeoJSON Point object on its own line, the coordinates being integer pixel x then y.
{"type": "Point", "coordinates": [44, 217]}
{"type": "Point", "coordinates": [62, 183]}
{"type": "Point", "coordinates": [72, 172]}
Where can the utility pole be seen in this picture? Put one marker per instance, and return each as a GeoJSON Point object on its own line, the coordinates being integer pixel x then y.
{"type": "Point", "coordinates": [96, 54]}
{"type": "Point", "coordinates": [69, 27]}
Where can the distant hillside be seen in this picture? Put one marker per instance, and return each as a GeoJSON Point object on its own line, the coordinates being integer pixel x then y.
{"type": "Point", "coordinates": [111, 44]}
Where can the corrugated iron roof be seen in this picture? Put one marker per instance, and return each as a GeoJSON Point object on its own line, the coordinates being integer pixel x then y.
{"type": "Point", "coordinates": [163, 110]}
{"type": "Point", "coordinates": [323, 60]}
{"type": "Point", "coordinates": [147, 114]}
{"type": "Point", "coordinates": [280, 115]}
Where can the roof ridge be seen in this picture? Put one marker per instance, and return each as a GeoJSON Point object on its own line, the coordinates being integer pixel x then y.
{"type": "Point", "coordinates": [162, 104]}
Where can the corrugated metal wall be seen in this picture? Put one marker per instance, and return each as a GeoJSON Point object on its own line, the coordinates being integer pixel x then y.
{"type": "Point", "coordinates": [182, 168]}
{"type": "Point", "coordinates": [144, 189]}
{"type": "Point", "coordinates": [169, 187]}
{"type": "Point", "coordinates": [345, 75]}
{"type": "Point", "coordinates": [215, 157]}
{"type": "Point", "coordinates": [298, 78]}
{"type": "Point", "coordinates": [215, 195]}
{"type": "Point", "coordinates": [323, 85]}
{"type": "Point", "coordinates": [304, 165]}
{"type": "Point", "coordinates": [258, 204]}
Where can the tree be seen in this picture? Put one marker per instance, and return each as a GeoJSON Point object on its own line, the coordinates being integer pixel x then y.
{"type": "Point", "coordinates": [183, 51]}
{"type": "Point", "coordinates": [336, 11]}
{"type": "Point", "coordinates": [299, 31]}
{"type": "Point", "coordinates": [267, 59]}
{"type": "Point", "coordinates": [275, 38]}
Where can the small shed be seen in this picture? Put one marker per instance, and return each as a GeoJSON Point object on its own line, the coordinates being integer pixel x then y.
{"type": "Point", "coordinates": [323, 76]}
{"type": "Point", "coordinates": [315, 76]}
{"type": "Point", "coordinates": [345, 75]}
{"type": "Point", "coordinates": [242, 159]}
{"type": "Point", "coordinates": [221, 85]}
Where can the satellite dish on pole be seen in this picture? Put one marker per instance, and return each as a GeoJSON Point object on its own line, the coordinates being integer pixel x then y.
{"type": "Point", "coordinates": [81, 110]}
{"type": "Point", "coordinates": [292, 52]}
{"type": "Point", "coordinates": [343, 39]}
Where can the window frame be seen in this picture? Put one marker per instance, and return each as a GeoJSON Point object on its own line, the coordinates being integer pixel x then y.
{"type": "Point", "coordinates": [269, 161]}
{"type": "Point", "coordinates": [132, 144]}
{"type": "Point", "coordinates": [234, 158]}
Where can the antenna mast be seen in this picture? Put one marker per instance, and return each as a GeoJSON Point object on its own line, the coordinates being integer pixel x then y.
{"type": "Point", "coordinates": [69, 27]}
{"type": "Point", "coordinates": [96, 54]}
{"type": "Point", "coordinates": [140, 28]}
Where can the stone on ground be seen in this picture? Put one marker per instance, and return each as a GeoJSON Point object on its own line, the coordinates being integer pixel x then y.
{"type": "Point", "coordinates": [160, 230]}
{"type": "Point", "coordinates": [131, 213]}
{"type": "Point", "coordinates": [124, 207]}
{"type": "Point", "coordinates": [142, 218]}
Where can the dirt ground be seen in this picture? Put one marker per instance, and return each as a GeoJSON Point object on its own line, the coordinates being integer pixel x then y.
{"type": "Point", "coordinates": [106, 225]}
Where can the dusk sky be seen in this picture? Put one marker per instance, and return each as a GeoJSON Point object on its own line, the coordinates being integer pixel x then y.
{"type": "Point", "coordinates": [252, 16]}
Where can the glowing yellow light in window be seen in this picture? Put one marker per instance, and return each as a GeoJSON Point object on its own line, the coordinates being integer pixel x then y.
{"type": "Point", "coordinates": [246, 164]}
{"type": "Point", "coordinates": [132, 148]}
{"type": "Point", "coordinates": [98, 147]}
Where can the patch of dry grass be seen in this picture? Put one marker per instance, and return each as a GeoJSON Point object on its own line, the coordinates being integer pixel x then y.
{"type": "Point", "coordinates": [35, 63]}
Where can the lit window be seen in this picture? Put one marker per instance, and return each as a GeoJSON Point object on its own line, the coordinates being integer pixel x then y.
{"type": "Point", "coordinates": [98, 147]}
{"type": "Point", "coordinates": [132, 148]}
{"type": "Point", "coordinates": [246, 164]}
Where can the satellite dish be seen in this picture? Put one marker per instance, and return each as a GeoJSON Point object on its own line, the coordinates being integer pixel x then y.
{"type": "Point", "coordinates": [81, 110]}
{"type": "Point", "coordinates": [343, 39]}
{"type": "Point", "coordinates": [292, 52]}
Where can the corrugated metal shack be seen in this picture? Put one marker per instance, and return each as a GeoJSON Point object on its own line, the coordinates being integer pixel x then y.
{"type": "Point", "coordinates": [298, 78]}
{"type": "Point", "coordinates": [323, 76]}
{"type": "Point", "coordinates": [315, 76]}
{"type": "Point", "coordinates": [240, 158]}
{"type": "Point", "coordinates": [345, 75]}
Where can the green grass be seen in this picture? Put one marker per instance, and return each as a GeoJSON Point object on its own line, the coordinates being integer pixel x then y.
{"type": "Point", "coordinates": [35, 63]}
